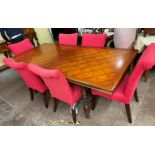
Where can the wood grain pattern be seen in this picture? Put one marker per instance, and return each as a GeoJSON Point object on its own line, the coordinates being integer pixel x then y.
{"type": "Point", "coordinates": [97, 68]}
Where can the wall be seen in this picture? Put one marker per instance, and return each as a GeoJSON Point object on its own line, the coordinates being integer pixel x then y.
{"type": "Point", "coordinates": [44, 35]}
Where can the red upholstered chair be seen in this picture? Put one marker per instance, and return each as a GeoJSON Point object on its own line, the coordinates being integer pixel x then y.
{"type": "Point", "coordinates": [21, 47]}
{"type": "Point", "coordinates": [94, 40]}
{"type": "Point", "coordinates": [32, 81]}
{"type": "Point", "coordinates": [59, 87]}
{"type": "Point", "coordinates": [146, 73]}
{"type": "Point", "coordinates": [127, 87]}
{"type": "Point", "coordinates": [68, 39]}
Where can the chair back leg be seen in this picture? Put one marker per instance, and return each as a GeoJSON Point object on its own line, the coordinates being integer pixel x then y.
{"type": "Point", "coordinates": [146, 75]}
{"type": "Point", "coordinates": [93, 102]}
{"type": "Point", "coordinates": [31, 94]}
{"type": "Point", "coordinates": [45, 99]}
{"type": "Point", "coordinates": [54, 104]}
{"type": "Point", "coordinates": [136, 95]}
{"type": "Point", "coordinates": [128, 112]}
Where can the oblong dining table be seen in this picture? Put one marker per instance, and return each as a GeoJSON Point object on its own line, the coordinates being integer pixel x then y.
{"type": "Point", "coordinates": [95, 68]}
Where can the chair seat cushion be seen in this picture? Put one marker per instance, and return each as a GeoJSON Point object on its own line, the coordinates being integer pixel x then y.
{"type": "Point", "coordinates": [118, 94]}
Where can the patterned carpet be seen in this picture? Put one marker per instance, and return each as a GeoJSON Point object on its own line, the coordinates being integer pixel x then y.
{"type": "Point", "coordinates": [8, 116]}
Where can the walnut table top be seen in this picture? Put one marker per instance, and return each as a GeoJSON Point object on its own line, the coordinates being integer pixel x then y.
{"type": "Point", "coordinates": [97, 68]}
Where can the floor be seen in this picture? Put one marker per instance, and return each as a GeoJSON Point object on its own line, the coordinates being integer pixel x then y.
{"type": "Point", "coordinates": [17, 109]}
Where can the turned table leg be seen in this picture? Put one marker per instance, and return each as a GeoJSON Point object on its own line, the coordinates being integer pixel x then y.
{"type": "Point", "coordinates": [86, 106]}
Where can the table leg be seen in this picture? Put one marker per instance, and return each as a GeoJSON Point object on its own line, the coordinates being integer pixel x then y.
{"type": "Point", "coordinates": [86, 106]}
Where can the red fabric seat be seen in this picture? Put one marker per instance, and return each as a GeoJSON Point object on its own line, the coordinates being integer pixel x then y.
{"type": "Point", "coordinates": [68, 39]}
{"type": "Point", "coordinates": [94, 40]}
{"type": "Point", "coordinates": [21, 47]}
{"type": "Point", "coordinates": [59, 87]}
{"type": "Point", "coordinates": [127, 87]}
{"type": "Point", "coordinates": [118, 95]}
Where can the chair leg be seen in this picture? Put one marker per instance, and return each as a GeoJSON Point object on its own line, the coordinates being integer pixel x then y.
{"type": "Point", "coordinates": [74, 115]}
{"type": "Point", "coordinates": [128, 112]}
{"type": "Point", "coordinates": [93, 102]}
{"type": "Point", "coordinates": [54, 104]}
{"type": "Point", "coordinates": [136, 95]}
{"type": "Point", "coordinates": [31, 93]}
{"type": "Point", "coordinates": [74, 111]}
{"type": "Point", "coordinates": [146, 74]}
{"type": "Point", "coordinates": [45, 99]}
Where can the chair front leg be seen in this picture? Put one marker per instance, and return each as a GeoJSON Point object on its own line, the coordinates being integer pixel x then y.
{"type": "Point", "coordinates": [136, 95]}
{"type": "Point", "coordinates": [146, 75]}
{"type": "Point", "coordinates": [128, 112]}
{"type": "Point", "coordinates": [74, 112]}
{"type": "Point", "coordinates": [93, 102]}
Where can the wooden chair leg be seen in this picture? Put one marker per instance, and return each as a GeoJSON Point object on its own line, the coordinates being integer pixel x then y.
{"type": "Point", "coordinates": [31, 93]}
{"type": "Point", "coordinates": [54, 104]}
{"type": "Point", "coordinates": [128, 112]}
{"type": "Point", "coordinates": [136, 95]}
{"type": "Point", "coordinates": [146, 75]}
{"type": "Point", "coordinates": [45, 99]}
{"type": "Point", "coordinates": [73, 114]}
{"type": "Point", "coordinates": [93, 102]}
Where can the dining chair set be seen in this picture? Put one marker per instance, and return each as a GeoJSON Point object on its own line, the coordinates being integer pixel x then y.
{"type": "Point", "coordinates": [42, 80]}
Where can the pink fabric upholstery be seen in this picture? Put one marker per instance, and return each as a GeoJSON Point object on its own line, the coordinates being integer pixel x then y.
{"type": "Point", "coordinates": [118, 95]}
{"type": "Point", "coordinates": [146, 62]}
{"type": "Point", "coordinates": [58, 85]}
{"type": "Point", "coordinates": [68, 39]}
{"type": "Point", "coordinates": [93, 40]}
{"type": "Point", "coordinates": [126, 89]}
{"type": "Point", "coordinates": [30, 79]}
{"type": "Point", "coordinates": [21, 47]}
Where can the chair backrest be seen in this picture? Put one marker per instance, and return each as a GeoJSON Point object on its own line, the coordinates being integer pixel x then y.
{"type": "Point", "coordinates": [21, 47]}
{"type": "Point", "coordinates": [56, 83]}
{"type": "Point", "coordinates": [94, 40]}
{"type": "Point", "coordinates": [31, 80]}
{"type": "Point", "coordinates": [146, 62]}
{"type": "Point", "coordinates": [68, 39]}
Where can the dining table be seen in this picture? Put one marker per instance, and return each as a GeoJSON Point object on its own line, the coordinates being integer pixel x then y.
{"type": "Point", "coordinates": [90, 67]}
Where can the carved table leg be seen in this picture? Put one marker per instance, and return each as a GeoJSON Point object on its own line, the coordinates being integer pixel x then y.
{"type": "Point", "coordinates": [86, 106]}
